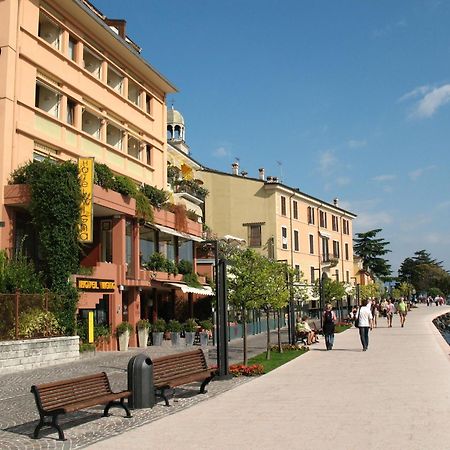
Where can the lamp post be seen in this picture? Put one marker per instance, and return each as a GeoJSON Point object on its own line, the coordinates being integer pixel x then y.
{"type": "Point", "coordinates": [291, 306]}
{"type": "Point", "coordinates": [321, 299]}
{"type": "Point", "coordinates": [357, 290]}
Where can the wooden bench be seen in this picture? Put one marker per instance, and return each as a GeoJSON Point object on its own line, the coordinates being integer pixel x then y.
{"type": "Point", "coordinates": [181, 368]}
{"type": "Point", "coordinates": [61, 397]}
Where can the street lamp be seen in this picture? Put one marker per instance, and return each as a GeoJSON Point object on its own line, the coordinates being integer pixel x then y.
{"type": "Point", "coordinates": [321, 299]}
{"type": "Point", "coordinates": [291, 307]}
{"type": "Point", "coordinates": [357, 290]}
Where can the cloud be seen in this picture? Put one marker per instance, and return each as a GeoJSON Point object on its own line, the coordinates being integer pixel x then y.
{"type": "Point", "coordinates": [343, 181]}
{"type": "Point", "coordinates": [221, 152]}
{"type": "Point", "coordinates": [382, 178]}
{"type": "Point", "coordinates": [444, 205]}
{"type": "Point", "coordinates": [388, 29]}
{"type": "Point", "coordinates": [353, 143]}
{"type": "Point", "coordinates": [414, 175]}
{"type": "Point", "coordinates": [327, 160]}
{"type": "Point", "coordinates": [370, 220]}
{"type": "Point", "coordinates": [431, 100]}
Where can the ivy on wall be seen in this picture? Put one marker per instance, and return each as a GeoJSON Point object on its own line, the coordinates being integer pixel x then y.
{"type": "Point", "coordinates": [55, 211]}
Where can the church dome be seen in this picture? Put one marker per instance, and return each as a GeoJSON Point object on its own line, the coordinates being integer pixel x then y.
{"type": "Point", "coordinates": [175, 117]}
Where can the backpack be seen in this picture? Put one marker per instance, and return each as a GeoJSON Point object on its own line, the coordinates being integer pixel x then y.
{"type": "Point", "coordinates": [328, 318]}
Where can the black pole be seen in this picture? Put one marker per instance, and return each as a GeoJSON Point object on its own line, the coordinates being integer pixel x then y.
{"type": "Point", "coordinates": [222, 320]}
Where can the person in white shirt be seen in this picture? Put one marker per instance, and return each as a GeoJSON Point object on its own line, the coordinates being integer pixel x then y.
{"type": "Point", "coordinates": [365, 322]}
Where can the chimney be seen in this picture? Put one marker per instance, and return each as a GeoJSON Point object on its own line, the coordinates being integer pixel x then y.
{"type": "Point", "coordinates": [120, 24]}
{"type": "Point", "coordinates": [336, 201]}
{"type": "Point", "coordinates": [235, 168]}
{"type": "Point", "coordinates": [244, 173]}
{"type": "Point", "coordinates": [261, 173]}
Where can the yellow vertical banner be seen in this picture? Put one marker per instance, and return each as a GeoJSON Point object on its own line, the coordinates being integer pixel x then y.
{"type": "Point", "coordinates": [91, 327]}
{"type": "Point", "coordinates": [86, 175]}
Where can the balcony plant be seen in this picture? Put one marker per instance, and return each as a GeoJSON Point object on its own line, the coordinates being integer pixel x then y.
{"type": "Point", "coordinates": [190, 327]}
{"type": "Point", "coordinates": [143, 330]}
{"type": "Point", "coordinates": [157, 261]}
{"type": "Point", "coordinates": [158, 328]}
{"type": "Point", "coordinates": [174, 327]}
{"type": "Point", "coordinates": [123, 331]}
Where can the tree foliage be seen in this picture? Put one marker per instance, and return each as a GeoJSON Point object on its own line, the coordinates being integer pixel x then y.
{"type": "Point", "coordinates": [371, 250]}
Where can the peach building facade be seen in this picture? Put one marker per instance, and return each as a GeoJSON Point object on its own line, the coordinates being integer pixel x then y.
{"type": "Point", "coordinates": [73, 84]}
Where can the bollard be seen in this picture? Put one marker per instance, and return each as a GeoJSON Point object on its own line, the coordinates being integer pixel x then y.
{"type": "Point", "coordinates": [140, 382]}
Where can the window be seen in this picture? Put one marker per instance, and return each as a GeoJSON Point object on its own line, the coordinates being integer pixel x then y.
{"type": "Point", "coordinates": [346, 251]}
{"type": "Point", "coordinates": [49, 30]}
{"type": "Point", "coordinates": [335, 223]}
{"type": "Point", "coordinates": [325, 250]}
{"type": "Point", "coordinates": [347, 276]}
{"type": "Point", "coordinates": [311, 214]}
{"type": "Point", "coordinates": [148, 103]}
{"type": "Point", "coordinates": [114, 136]}
{"type": "Point", "coordinates": [106, 241]}
{"type": "Point", "coordinates": [186, 250]}
{"type": "Point", "coordinates": [345, 226]}
{"type": "Point", "coordinates": [296, 241]}
{"type": "Point", "coordinates": [134, 147]}
{"type": "Point", "coordinates": [71, 105]}
{"type": "Point", "coordinates": [71, 50]}
{"type": "Point", "coordinates": [148, 154]}
{"type": "Point", "coordinates": [323, 219]}
{"type": "Point", "coordinates": [297, 272]}
{"type": "Point", "coordinates": [336, 274]}
{"type": "Point", "coordinates": [284, 240]}
{"type": "Point", "coordinates": [254, 235]}
{"type": "Point", "coordinates": [91, 124]}
{"type": "Point", "coordinates": [47, 99]}
{"type": "Point", "coordinates": [312, 274]}
{"type": "Point", "coordinates": [283, 205]}
{"type": "Point", "coordinates": [295, 209]}
{"type": "Point", "coordinates": [311, 244]}
{"type": "Point", "coordinates": [134, 92]}
{"type": "Point", "coordinates": [336, 249]}
{"type": "Point", "coordinates": [114, 80]}
{"type": "Point", "coordinates": [92, 63]}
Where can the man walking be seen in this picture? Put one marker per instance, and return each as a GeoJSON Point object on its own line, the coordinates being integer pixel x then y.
{"type": "Point", "coordinates": [365, 322]}
{"type": "Point", "coordinates": [402, 311]}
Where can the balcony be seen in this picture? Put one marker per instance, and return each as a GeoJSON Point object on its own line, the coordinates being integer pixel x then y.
{"type": "Point", "coordinates": [191, 190]}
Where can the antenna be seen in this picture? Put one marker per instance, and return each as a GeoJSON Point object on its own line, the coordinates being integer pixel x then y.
{"type": "Point", "coordinates": [280, 165]}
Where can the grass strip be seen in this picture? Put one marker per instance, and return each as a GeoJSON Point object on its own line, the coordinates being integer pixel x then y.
{"type": "Point", "coordinates": [276, 359]}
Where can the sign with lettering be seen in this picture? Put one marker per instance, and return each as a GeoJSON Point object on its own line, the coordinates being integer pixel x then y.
{"type": "Point", "coordinates": [86, 175]}
{"type": "Point", "coordinates": [94, 285]}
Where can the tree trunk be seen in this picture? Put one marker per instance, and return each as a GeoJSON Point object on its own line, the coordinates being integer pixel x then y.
{"type": "Point", "coordinates": [268, 337]}
{"type": "Point", "coordinates": [280, 347]}
{"type": "Point", "coordinates": [244, 335]}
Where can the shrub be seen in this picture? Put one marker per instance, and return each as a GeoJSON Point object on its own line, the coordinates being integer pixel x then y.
{"type": "Point", "coordinates": [103, 176]}
{"type": "Point", "coordinates": [238, 370]}
{"type": "Point", "coordinates": [86, 347]}
{"type": "Point", "coordinates": [156, 197]}
{"type": "Point", "coordinates": [171, 267]}
{"type": "Point", "coordinates": [206, 325]}
{"type": "Point", "coordinates": [123, 328]}
{"type": "Point", "coordinates": [143, 209]}
{"type": "Point", "coordinates": [156, 262]}
{"type": "Point", "coordinates": [191, 279]}
{"type": "Point", "coordinates": [190, 325]}
{"type": "Point", "coordinates": [185, 267]}
{"type": "Point", "coordinates": [37, 323]}
{"type": "Point", "coordinates": [125, 186]}
{"type": "Point", "coordinates": [173, 326]}
{"type": "Point", "coordinates": [101, 332]}
{"type": "Point", "coordinates": [143, 324]}
{"type": "Point", "coordinates": [159, 326]}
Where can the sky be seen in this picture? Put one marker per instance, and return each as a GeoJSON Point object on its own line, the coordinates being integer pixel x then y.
{"type": "Point", "coordinates": [346, 99]}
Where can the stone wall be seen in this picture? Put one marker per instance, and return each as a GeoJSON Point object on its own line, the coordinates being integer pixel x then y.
{"type": "Point", "coordinates": [33, 353]}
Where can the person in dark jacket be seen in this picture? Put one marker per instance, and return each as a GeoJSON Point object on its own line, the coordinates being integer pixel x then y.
{"type": "Point", "coordinates": [329, 319]}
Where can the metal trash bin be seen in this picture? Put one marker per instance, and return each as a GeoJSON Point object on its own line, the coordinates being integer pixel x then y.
{"type": "Point", "coordinates": [140, 382]}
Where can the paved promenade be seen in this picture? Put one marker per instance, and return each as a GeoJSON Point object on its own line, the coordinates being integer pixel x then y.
{"type": "Point", "coordinates": [394, 396]}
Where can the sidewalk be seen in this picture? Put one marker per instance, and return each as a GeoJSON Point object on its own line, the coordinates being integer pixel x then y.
{"type": "Point", "coordinates": [18, 415]}
{"type": "Point", "coordinates": [394, 396]}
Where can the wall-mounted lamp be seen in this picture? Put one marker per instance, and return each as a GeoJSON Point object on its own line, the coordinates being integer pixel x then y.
{"type": "Point", "coordinates": [121, 288]}
{"type": "Point", "coordinates": [139, 289]}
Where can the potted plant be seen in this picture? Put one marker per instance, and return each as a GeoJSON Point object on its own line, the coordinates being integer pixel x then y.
{"type": "Point", "coordinates": [190, 327]}
{"type": "Point", "coordinates": [205, 333]}
{"type": "Point", "coordinates": [174, 327]}
{"type": "Point", "coordinates": [123, 331]}
{"type": "Point", "coordinates": [158, 329]}
{"type": "Point", "coordinates": [143, 330]}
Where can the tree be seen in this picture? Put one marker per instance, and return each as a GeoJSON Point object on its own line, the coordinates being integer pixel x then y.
{"type": "Point", "coordinates": [370, 249]}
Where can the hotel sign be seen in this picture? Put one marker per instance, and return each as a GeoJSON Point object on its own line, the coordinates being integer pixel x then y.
{"type": "Point", "coordinates": [86, 175]}
{"type": "Point", "coordinates": [94, 285]}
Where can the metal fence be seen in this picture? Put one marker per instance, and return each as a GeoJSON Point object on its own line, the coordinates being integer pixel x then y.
{"type": "Point", "coordinates": [15, 308]}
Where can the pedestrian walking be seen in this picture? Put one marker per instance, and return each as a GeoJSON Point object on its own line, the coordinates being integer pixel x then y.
{"type": "Point", "coordinates": [329, 320]}
{"type": "Point", "coordinates": [390, 313]}
{"type": "Point", "coordinates": [374, 311]}
{"type": "Point", "coordinates": [365, 323]}
{"type": "Point", "coordinates": [402, 311]}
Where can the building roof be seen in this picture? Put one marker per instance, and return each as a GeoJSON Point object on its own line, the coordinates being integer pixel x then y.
{"type": "Point", "coordinates": [174, 116]}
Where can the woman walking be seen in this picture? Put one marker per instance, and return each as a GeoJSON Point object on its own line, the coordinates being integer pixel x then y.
{"type": "Point", "coordinates": [365, 322]}
{"type": "Point", "coordinates": [390, 313]}
{"type": "Point", "coordinates": [329, 319]}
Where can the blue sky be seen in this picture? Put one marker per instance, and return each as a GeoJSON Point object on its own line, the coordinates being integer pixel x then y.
{"type": "Point", "coordinates": [352, 97]}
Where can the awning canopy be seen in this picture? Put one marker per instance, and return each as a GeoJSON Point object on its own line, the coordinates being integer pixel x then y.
{"type": "Point", "coordinates": [189, 237]}
{"type": "Point", "coordinates": [205, 290]}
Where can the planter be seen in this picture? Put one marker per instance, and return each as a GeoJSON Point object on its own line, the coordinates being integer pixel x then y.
{"type": "Point", "coordinates": [175, 338]}
{"type": "Point", "coordinates": [157, 337]}
{"type": "Point", "coordinates": [124, 338]}
{"type": "Point", "coordinates": [204, 337]}
{"type": "Point", "coordinates": [143, 337]}
{"type": "Point", "coordinates": [189, 338]}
